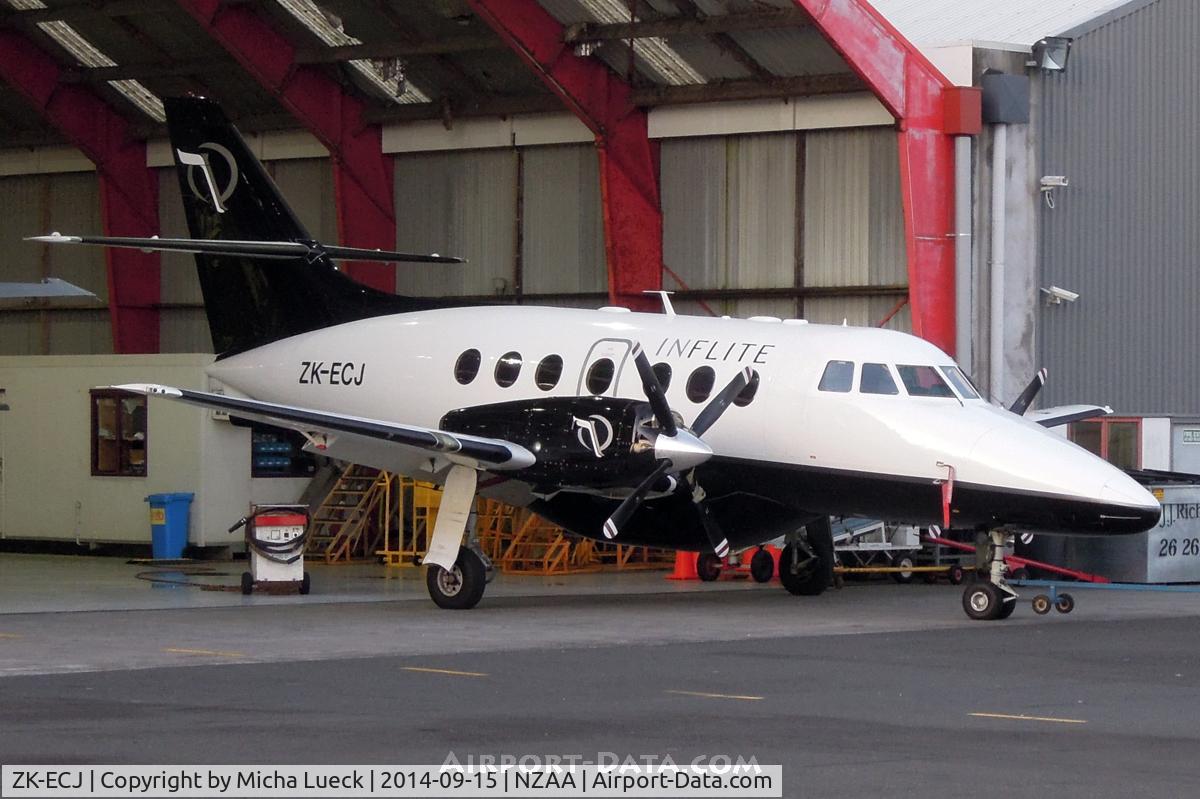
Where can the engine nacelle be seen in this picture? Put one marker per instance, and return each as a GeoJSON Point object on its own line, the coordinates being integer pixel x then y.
{"type": "Point", "coordinates": [582, 442]}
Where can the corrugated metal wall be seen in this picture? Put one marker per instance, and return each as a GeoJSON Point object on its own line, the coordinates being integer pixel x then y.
{"type": "Point", "coordinates": [1121, 124]}
{"type": "Point", "coordinates": [730, 215]}
{"type": "Point", "coordinates": [70, 203]}
{"type": "Point", "coordinates": [854, 225]}
{"type": "Point", "coordinates": [562, 224]}
{"type": "Point", "coordinates": [457, 203]}
{"type": "Point", "coordinates": [467, 203]}
{"type": "Point", "coordinates": [730, 220]}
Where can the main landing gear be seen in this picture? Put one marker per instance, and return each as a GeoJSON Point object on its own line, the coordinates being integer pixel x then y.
{"type": "Point", "coordinates": [806, 563]}
{"type": "Point", "coordinates": [993, 599]}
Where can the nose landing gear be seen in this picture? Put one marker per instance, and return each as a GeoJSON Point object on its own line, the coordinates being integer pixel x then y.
{"type": "Point", "coordinates": [994, 599]}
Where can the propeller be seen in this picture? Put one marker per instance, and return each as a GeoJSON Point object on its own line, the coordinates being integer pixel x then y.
{"type": "Point", "coordinates": [678, 450]}
{"type": "Point", "coordinates": [1022, 403]}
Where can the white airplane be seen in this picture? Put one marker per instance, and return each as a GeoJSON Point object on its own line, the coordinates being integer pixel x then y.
{"type": "Point", "coordinates": [683, 432]}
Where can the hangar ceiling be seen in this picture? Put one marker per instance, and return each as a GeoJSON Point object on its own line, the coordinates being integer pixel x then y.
{"type": "Point", "coordinates": [420, 59]}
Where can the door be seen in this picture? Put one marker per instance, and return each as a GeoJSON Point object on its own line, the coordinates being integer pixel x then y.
{"type": "Point", "coordinates": [601, 372]}
{"type": "Point", "coordinates": [1185, 447]}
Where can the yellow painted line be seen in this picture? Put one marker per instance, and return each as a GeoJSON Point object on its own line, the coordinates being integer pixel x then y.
{"type": "Point", "coordinates": [451, 672]}
{"type": "Point", "coordinates": [716, 696]}
{"type": "Point", "coordinates": [9, 635]}
{"type": "Point", "coordinates": [1023, 717]}
{"type": "Point", "coordinates": [211, 652]}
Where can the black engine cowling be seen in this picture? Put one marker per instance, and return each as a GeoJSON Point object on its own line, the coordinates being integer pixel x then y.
{"type": "Point", "coordinates": [583, 442]}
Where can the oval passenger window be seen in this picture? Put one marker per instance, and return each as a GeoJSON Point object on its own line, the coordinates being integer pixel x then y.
{"type": "Point", "coordinates": [508, 369]}
{"type": "Point", "coordinates": [600, 376]}
{"type": "Point", "coordinates": [548, 372]}
{"type": "Point", "coordinates": [467, 366]}
{"type": "Point", "coordinates": [662, 370]}
{"type": "Point", "coordinates": [746, 395]}
{"type": "Point", "coordinates": [700, 383]}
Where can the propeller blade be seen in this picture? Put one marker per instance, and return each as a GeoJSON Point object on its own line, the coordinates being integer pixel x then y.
{"type": "Point", "coordinates": [1022, 403]}
{"type": "Point", "coordinates": [631, 503]}
{"type": "Point", "coordinates": [713, 410]}
{"type": "Point", "coordinates": [654, 392]}
{"type": "Point", "coordinates": [716, 536]}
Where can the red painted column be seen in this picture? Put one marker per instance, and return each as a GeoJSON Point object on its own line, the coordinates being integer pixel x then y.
{"type": "Point", "coordinates": [629, 186]}
{"type": "Point", "coordinates": [914, 91]}
{"type": "Point", "coordinates": [362, 173]}
{"type": "Point", "coordinates": [128, 188]}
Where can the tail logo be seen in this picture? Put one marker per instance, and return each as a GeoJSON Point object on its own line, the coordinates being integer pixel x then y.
{"type": "Point", "coordinates": [200, 161]}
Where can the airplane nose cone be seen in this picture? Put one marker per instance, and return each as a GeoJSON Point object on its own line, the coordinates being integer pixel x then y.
{"type": "Point", "coordinates": [1139, 510]}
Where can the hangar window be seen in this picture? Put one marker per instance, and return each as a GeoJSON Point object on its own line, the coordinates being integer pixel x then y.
{"type": "Point", "coordinates": [467, 366]}
{"type": "Point", "coordinates": [600, 376]}
{"type": "Point", "coordinates": [838, 376]}
{"type": "Point", "coordinates": [746, 395]}
{"type": "Point", "coordinates": [118, 434]}
{"type": "Point", "coordinates": [700, 383]}
{"type": "Point", "coordinates": [924, 381]}
{"type": "Point", "coordinates": [1118, 441]}
{"type": "Point", "coordinates": [548, 372]}
{"type": "Point", "coordinates": [662, 371]}
{"type": "Point", "coordinates": [876, 379]}
{"type": "Point", "coordinates": [508, 369]}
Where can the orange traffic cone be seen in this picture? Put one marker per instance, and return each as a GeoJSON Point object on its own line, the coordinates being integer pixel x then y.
{"type": "Point", "coordinates": [685, 566]}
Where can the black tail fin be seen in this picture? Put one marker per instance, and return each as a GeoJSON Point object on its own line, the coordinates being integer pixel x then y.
{"type": "Point", "coordinates": [227, 195]}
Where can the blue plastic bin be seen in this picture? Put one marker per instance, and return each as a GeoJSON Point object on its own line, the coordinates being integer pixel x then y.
{"type": "Point", "coordinates": [169, 524]}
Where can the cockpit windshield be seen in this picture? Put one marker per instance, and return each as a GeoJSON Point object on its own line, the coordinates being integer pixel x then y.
{"type": "Point", "coordinates": [960, 382]}
{"type": "Point", "coordinates": [924, 381]}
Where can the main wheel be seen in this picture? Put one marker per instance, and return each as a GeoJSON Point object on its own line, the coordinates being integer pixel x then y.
{"type": "Point", "coordinates": [305, 584]}
{"type": "Point", "coordinates": [247, 583]}
{"type": "Point", "coordinates": [1065, 603]}
{"type": "Point", "coordinates": [903, 562]}
{"type": "Point", "coordinates": [461, 587]}
{"type": "Point", "coordinates": [1041, 604]}
{"type": "Point", "coordinates": [762, 566]}
{"type": "Point", "coordinates": [708, 567]}
{"type": "Point", "coordinates": [807, 579]}
{"type": "Point", "coordinates": [983, 601]}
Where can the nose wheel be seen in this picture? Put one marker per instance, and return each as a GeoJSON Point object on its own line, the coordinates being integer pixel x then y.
{"type": "Point", "coordinates": [993, 599]}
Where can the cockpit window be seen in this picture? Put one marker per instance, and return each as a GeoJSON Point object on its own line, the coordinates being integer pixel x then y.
{"type": "Point", "coordinates": [960, 382]}
{"type": "Point", "coordinates": [924, 381]}
{"type": "Point", "coordinates": [876, 379]}
{"type": "Point", "coordinates": [838, 376]}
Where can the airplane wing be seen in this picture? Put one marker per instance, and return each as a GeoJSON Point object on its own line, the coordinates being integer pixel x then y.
{"type": "Point", "coordinates": [1064, 414]}
{"type": "Point", "coordinates": [474, 451]}
{"type": "Point", "coordinates": [257, 249]}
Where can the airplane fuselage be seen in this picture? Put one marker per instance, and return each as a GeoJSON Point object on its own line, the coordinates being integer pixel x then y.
{"type": "Point", "coordinates": [802, 445]}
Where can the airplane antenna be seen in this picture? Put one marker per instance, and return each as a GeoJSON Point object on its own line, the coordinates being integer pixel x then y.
{"type": "Point", "coordinates": [665, 296]}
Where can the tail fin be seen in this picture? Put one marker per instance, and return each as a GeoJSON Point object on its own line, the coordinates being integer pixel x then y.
{"type": "Point", "coordinates": [227, 195]}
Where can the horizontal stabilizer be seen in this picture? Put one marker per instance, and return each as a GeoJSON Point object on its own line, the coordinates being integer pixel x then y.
{"type": "Point", "coordinates": [1065, 414]}
{"type": "Point", "coordinates": [308, 250]}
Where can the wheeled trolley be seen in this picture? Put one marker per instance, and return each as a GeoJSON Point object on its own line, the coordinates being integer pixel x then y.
{"type": "Point", "coordinates": [275, 539]}
{"type": "Point", "coordinates": [1063, 602]}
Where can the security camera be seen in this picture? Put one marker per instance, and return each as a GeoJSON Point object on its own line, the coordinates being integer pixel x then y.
{"type": "Point", "coordinates": [1056, 295]}
{"type": "Point", "coordinates": [1054, 182]}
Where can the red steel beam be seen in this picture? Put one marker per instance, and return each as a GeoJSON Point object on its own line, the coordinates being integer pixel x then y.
{"type": "Point", "coordinates": [913, 91]}
{"type": "Point", "coordinates": [128, 188]}
{"type": "Point", "coordinates": [629, 189]}
{"type": "Point", "coordinates": [362, 173]}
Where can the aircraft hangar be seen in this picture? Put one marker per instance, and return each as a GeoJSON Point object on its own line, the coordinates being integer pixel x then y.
{"type": "Point", "coordinates": [789, 162]}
